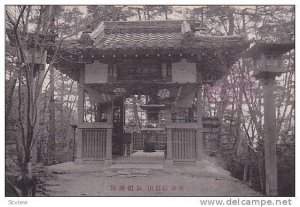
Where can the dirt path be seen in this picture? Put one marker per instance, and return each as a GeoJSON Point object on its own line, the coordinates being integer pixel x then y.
{"type": "Point", "coordinates": [178, 180]}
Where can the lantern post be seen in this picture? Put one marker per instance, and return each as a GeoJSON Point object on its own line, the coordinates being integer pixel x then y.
{"type": "Point", "coordinates": [267, 59]}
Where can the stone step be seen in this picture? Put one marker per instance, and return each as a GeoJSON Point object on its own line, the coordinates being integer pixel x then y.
{"type": "Point", "coordinates": [136, 161]}
{"type": "Point", "coordinates": [136, 166]}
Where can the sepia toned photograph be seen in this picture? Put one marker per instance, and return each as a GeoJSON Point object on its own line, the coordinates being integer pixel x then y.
{"type": "Point", "coordinates": [150, 101]}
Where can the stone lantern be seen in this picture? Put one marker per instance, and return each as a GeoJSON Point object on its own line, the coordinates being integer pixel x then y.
{"type": "Point", "coordinates": [268, 63]}
{"type": "Point", "coordinates": [267, 58]}
{"type": "Point", "coordinates": [153, 113]}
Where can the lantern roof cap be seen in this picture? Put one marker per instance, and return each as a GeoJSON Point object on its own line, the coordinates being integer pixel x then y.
{"type": "Point", "coordinates": [269, 48]}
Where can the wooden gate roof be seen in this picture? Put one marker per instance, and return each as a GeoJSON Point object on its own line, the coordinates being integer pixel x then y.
{"type": "Point", "coordinates": [152, 36]}
{"type": "Point", "coordinates": [114, 41]}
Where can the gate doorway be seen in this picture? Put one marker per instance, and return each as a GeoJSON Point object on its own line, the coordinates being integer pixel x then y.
{"type": "Point", "coordinates": [139, 132]}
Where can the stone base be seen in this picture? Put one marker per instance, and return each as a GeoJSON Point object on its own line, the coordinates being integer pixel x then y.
{"type": "Point", "coordinates": [108, 162]}
{"type": "Point", "coordinates": [199, 163]}
{"type": "Point", "coordinates": [169, 162]}
{"type": "Point", "coordinates": [78, 161]}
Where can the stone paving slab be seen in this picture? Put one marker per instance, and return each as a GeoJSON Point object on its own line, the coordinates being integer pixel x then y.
{"type": "Point", "coordinates": [134, 179]}
{"type": "Point", "coordinates": [136, 166]}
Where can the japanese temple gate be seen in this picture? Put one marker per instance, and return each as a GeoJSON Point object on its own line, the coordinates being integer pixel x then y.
{"type": "Point", "coordinates": [168, 61]}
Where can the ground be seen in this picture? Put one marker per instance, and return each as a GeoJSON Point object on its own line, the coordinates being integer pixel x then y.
{"type": "Point", "coordinates": [133, 178]}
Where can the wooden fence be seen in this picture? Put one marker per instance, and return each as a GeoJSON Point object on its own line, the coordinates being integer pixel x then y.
{"type": "Point", "coordinates": [183, 144]}
{"type": "Point", "coordinates": [94, 143]}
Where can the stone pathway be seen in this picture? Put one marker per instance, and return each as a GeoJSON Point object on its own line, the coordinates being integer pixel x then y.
{"type": "Point", "coordinates": [205, 179]}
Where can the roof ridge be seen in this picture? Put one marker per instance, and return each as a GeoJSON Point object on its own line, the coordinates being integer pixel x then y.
{"type": "Point", "coordinates": [151, 26]}
{"type": "Point", "coordinates": [169, 20]}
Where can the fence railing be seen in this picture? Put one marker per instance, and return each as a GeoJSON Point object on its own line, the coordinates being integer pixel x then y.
{"type": "Point", "coordinates": [94, 143]}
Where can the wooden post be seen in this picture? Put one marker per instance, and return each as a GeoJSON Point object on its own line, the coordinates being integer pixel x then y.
{"type": "Point", "coordinates": [169, 158]}
{"type": "Point", "coordinates": [267, 59]}
{"type": "Point", "coordinates": [199, 133]}
{"type": "Point", "coordinates": [80, 111]}
{"type": "Point", "coordinates": [108, 147]}
{"type": "Point", "coordinates": [108, 157]}
{"type": "Point", "coordinates": [73, 138]}
{"type": "Point", "coordinates": [270, 138]}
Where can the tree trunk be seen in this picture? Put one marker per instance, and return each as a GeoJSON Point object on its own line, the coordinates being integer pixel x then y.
{"type": "Point", "coordinates": [51, 141]}
{"type": "Point", "coordinates": [261, 174]}
{"type": "Point", "coordinates": [9, 94]}
{"type": "Point", "coordinates": [246, 166]}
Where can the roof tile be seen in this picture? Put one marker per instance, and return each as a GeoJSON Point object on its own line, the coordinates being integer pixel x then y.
{"type": "Point", "coordinates": [140, 40]}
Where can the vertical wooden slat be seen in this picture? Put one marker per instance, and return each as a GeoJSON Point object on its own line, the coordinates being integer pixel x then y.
{"type": "Point", "coordinates": [103, 145]}
{"type": "Point", "coordinates": [105, 134]}
{"type": "Point", "coordinates": [83, 142]}
{"type": "Point", "coordinates": [180, 143]}
{"type": "Point", "coordinates": [177, 142]}
{"type": "Point", "coordinates": [194, 147]}
{"type": "Point", "coordinates": [88, 143]}
{"type": "Point", "coordinates": [99, 144]}
{"type": "Point", "coordinates": [185, 150]}
{"type": "Point", "coordinates": [195, 142]}
{"type": "Point", "coordinates": [96, 143]}
{"type": "Point", "coordinates": [190, 154]}
{"type": "Point", "coordinates": [174, 143]}
{"type": "Point", "coordinates": [82, 145]}
{"type": "Point", "coordinates": [190, 146]}
{"type": "Point", "coordinates": [102, 153]}
{"type": "Point", "coordinates": [181, 134]}
{"type": "Point", "coordinates": [191, 136]}
{"type": "Point", "coordinates": [93, 142]}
